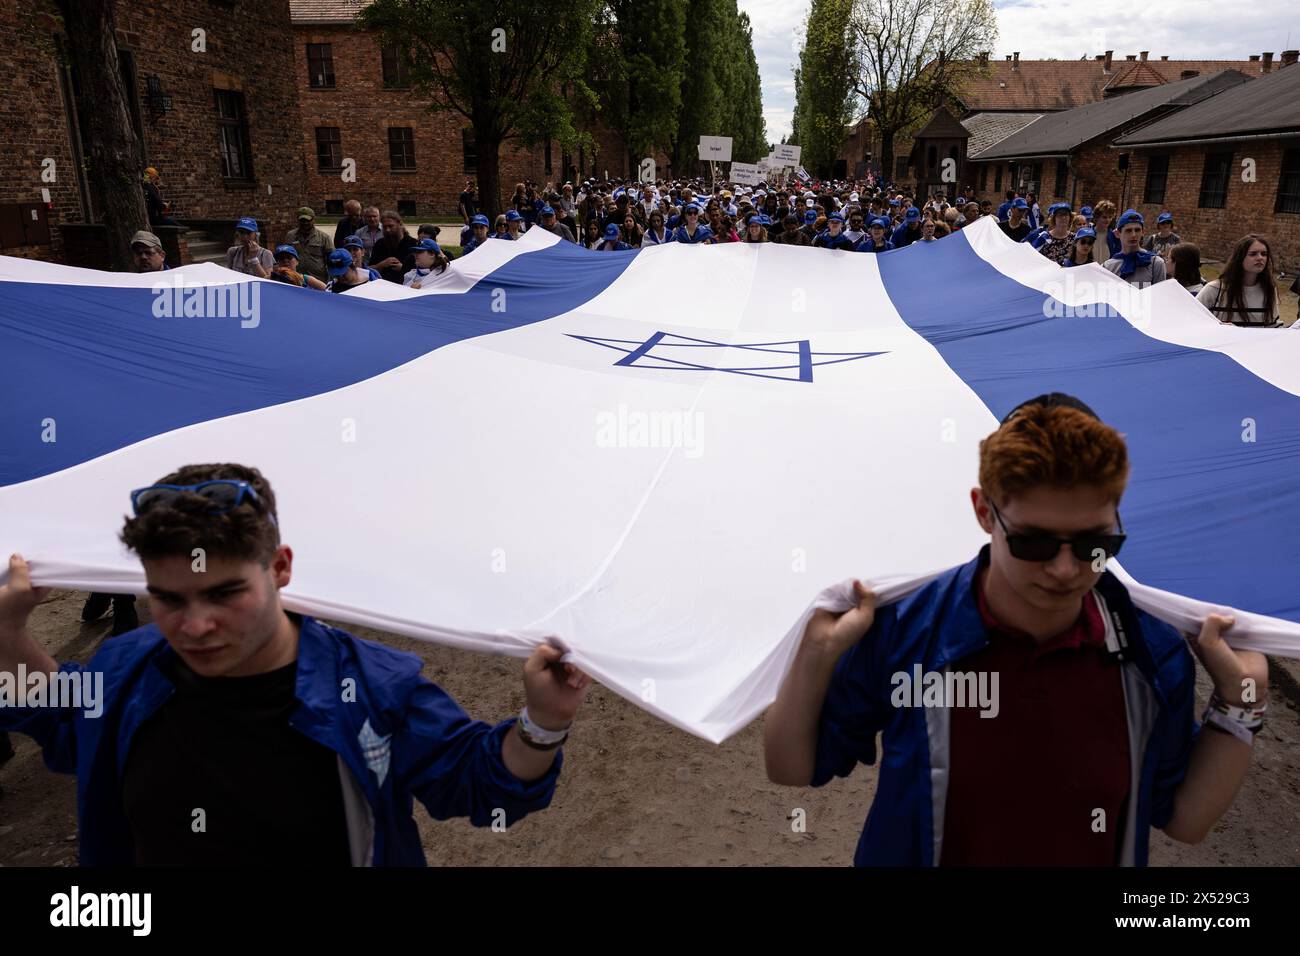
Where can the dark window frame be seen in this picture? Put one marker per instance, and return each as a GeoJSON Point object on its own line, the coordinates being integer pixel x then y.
{"type": "Point", "coordinates": [1062, 177]}
{"type": "Point", "coordinates": [396, 70]}
{"type": "Point", "coordinates": [1214, 180]}
{"type": "Point", "coordinates": [334, 146]}
{"type": "Point", "coordinates": [234, 145]}
{"type": "Point", "coordinates": [401, 149]}
{"type": "Point", "coordinates": [469, 150]}
{"type": "Point", "coordinates": [1157, 184]}
{"type": "Point", "coordinates": [320, 66]}
{"type": "Point", "coordinates": [1288, 183]}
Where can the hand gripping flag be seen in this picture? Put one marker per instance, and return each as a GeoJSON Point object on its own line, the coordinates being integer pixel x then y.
{"type": "Point", "coordinates": [660, 456]}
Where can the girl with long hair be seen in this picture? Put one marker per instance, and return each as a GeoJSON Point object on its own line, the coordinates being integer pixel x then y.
{"type": "Point", "coordinates": [1245, 293]}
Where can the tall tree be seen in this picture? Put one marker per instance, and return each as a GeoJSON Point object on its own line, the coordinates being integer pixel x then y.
{"type": "Point", "coordinates": [911, 55]}
{"type": "Point", "coordinates": [645, 98]}
{"type": "Point", "coordinates": [113, 147]}
{"type": "Point", "coordinates": [748, 128]}
{"type": "Point", "coordinates": [701, 113]}
{"type": "Point", "coordinates": [501, 65]}
{"type": "Point", "coordinates": [824, 84]}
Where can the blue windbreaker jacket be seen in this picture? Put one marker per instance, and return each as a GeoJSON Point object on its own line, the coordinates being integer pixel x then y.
{"type": "Point", "coordinates": [939, 625]}
{"type": "Point", "coordinates": [402, 737]}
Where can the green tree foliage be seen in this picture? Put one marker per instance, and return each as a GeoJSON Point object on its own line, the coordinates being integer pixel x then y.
{"type": "Point", "coordinates": [643, 100]}
{"type": "Point", "coordinates": [824, 84]}
{"type": "Point", "coordinates": [515, 69]}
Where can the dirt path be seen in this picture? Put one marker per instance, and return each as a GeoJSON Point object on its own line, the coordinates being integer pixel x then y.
{"type": "Point", "coordinates": [637, 791]}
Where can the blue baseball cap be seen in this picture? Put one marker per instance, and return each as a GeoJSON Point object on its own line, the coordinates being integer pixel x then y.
{"type": "Point", "coordinates": [248, 224]}
{"type": "Point", "coordinates": [1086, 232]}
{"type": "Point", "coordinates": [353, 242]}
{"type": "Point", "coordinates": [1130, 215]}
{"type": "Point", "coordinates": [1086, 212]}
{"type": "Point", "coordinates": [690, 207]}
{"type": "Point", "coordinates": [894, 202]}
{"type": "Point", "coordinates": [1056, 207]}
{"type": "Point", "coordinates": [1164, 217]}
{"type": "Point", "coordinates": [611, 231]}
{"type": "Point", "coordinates": [512, 215]}
{"type": "Point", "coordinates": [834, 217]}
{"type": "Point", "coordinates": [879, 221]}
{"type": "Point", "coordinates": [810, 216]}
{"type": "Point", "coordinates": [1019, 203]}
{"type": "Point", "coordinates": [427, 245]}
{"type": "Point", "coordinates": [762, 219]}
{"type": "Point", "coordinates": [912, 213]}
{"type": "Point", "coordinates": [548, 211]}
{"type": "Point", "coordinates": [340, 261]}
{"type": "Point", "coordinates": [480, 220]}
{"type": "Point", "coordinates": [286, 250]}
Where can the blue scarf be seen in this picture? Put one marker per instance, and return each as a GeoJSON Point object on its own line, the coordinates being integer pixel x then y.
{"type": "Point", "coordinates": [1132, 260]}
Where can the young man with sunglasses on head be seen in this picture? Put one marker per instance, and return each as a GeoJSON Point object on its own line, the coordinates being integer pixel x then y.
{"type": "Point", "coordinates": [1090, 738]}
{"type": "Point", "coordinates": [233, 732]}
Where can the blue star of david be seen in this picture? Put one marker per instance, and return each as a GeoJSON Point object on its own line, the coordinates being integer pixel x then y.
{"type": "Point", "coordinates": [802, 359]}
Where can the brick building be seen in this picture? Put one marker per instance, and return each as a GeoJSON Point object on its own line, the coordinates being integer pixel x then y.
{"type": "Point", "coordinates": [208, 108]}
{"type": "Point", "coordinates": [1066, 156]}
{"type": "Point", "coordinates": [1225, 167]}
{"type": "Point", "coordinates": [356, 103]}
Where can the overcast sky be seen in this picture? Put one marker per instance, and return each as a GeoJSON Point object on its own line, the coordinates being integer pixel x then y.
{"type": "Point", "coordinates": [1043, 29]}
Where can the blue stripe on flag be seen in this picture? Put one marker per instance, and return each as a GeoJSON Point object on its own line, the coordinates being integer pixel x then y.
{"type": "Point", "coordinates": [108, 373]}
{"type": "Point", "coordinates": [1208, 515]}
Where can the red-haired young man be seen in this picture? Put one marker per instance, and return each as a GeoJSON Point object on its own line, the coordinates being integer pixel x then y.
{"type": "Point", "coordinates": [1029, 714]}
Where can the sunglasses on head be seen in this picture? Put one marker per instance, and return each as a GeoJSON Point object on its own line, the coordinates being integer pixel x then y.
{"type": "Point", "coordinates": [222, 494]}
{"type": "Point", "coordinates": [1045, 547]}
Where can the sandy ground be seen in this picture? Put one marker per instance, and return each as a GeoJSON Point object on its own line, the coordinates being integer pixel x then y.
{"type": "Point", "coordinates": [636, 791]}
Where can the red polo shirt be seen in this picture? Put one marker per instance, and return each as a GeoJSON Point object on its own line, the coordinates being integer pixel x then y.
{"type": "Point", "coordinates": [1024, 785]}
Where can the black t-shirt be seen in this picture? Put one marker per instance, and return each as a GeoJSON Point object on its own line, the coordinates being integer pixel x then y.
{"type": "Point", "coordinates": [384, 247]}
{"type": "Point", "coordinates": [467, 201]}
{"type": "Point", "coordinates": [1015, 232]}
{"type": "Point", "coordinates": [269, 794]}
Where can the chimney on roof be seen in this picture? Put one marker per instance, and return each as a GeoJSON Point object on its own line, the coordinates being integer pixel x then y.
{"type": "Point", "coordinates": [1290, 56]}
{"type": "Point", "coordinates": [1099, 57]}
{"type": "Point", "coordinates": [1015, 61]}
{"type": "Point", "coordinates": [1110, 54]}
{"type": "Point", "coordinates": [1268, 63]}
{"type": "Point", "coordinates": [1008, 57]}
{"type": "Point", "coordinates": [984, 59]}
{"type": "Point", "coordinates": [1164, 58]}
{"type": "Point", "coordinates": [1131, 56]}
{"type": "Point", "coordinates": [1188, 74]}
{"type": "Point", "coordinates": [1143, 55]}
{"type": "Point", "coordinates": [1254, 58]}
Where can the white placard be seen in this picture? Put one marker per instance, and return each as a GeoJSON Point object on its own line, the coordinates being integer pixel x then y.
{"type": "Point", "coordinates": [787, 155]}
{"type": "Point", "coordinates": [746, 174]}
{"type": "Point", "coordinates": [717, 148]}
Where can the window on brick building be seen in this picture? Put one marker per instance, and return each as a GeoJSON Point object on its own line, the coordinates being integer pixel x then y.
{"type": "Point", "coordinates": [406, 208]}
{"type": "Point", "coordinates": [329, 149]}
{"type": "Point", "coordinates": [984, 176]}
{"type": "Point", "coordinates": [1062, 177]}
{"type": "Point", "coordinates": [320, 66]}
{"type": "Point", "coordinates": [469, 151]}
{"type": "Point", "coordinates": [1157, 179]}
{"type": "Point", "coordinates": [397, 74]}
{"type": "Point", "coordinates": [232, 133]}
{"type": "Point", "coordinates": [334, 207]}
{"type": "Point", "coordinates": [1288, 184]}
{"type": "Point", "coordinates": [401, 147]}
{"type": "Point", "coordinates": [1214, 180]}
{"type": "Point", "coordinates": [548, 157]}
{"type": "Point", "coordinates": [997, 179]}
{"type": "Point", "coordinates": [900, 167]}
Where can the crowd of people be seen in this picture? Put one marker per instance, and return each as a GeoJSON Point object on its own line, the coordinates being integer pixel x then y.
{"type": "Point", "coordinates": [369, 245]}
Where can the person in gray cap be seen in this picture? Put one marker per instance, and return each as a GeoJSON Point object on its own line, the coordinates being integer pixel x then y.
{"type": "Point", "coordinates": [147, 252]}
{"type": "Point", "coordinates": [313, 245]}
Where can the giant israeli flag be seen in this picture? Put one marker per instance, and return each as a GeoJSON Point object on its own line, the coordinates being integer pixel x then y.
{"type": "Point", "coordinates": [663, 457]}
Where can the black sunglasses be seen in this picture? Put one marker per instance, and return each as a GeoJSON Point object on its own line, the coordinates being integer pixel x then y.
{"type": "Point", "coordinates": [1045, 547]}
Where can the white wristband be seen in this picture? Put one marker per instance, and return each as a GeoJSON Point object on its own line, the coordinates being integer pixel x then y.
{"type": "Point", "coordinates": [540, 734]}
{"type": "Point", "coordinates": [1236, 728]}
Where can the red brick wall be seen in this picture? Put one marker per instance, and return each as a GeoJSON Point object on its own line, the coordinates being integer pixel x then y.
{"type": "Point", "coordinates": [249, 47]}
{"type": "Point", "coordinates": [363, 110]}
{"type": "Point", "coordinates": [33, 126]}
{"type": "Point", "coordinates": [1248, 207]}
